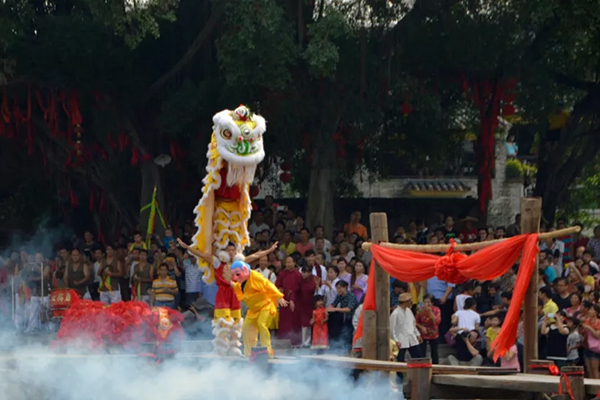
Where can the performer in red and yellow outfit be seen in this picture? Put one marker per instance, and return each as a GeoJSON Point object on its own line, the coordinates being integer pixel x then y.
{"type": "Point", "coordinates": [262, 297]}
{"type": "Point", "coordinates": [227, 323]}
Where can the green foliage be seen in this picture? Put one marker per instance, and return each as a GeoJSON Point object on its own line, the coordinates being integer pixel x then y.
{"type": "Point", "coordinates": [256, 47]}
{"type": "Point", "coordinates": [133, 19]}
{"type": "Point", "coordinates": [180, 109]}
{"type": "Point", "coordinates": [584, 195]}
{"type": "Point", "coordinates": [322, 53]}
{"type": "Point", "coordinates": [514, 169]}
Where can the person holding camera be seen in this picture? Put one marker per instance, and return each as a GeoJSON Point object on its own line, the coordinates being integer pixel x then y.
{"type": "Point", "coordinates": [466, 352]}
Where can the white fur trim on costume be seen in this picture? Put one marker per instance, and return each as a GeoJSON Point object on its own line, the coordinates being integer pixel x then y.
{"type": "Point", "coordinates": [235, 351]}
{"type": "Point", "coordinates": [239, 257]}
{"type": "Point", "coordinates": [223, 256]}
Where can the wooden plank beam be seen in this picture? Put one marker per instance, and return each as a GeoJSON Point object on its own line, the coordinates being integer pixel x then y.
{"type": "Point", "coordinates": [461, 393]}
{"type": "Point", "coordinates": [531, 214]}
{"type": "Point", "coordinates": [443, 248]}
{"type": "Point", "coordinates": [379, 233]}
{"type": "Point", "coordinates": [392, 366]}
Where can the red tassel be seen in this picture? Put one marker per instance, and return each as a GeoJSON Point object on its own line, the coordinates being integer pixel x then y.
{"type": "Point", "coordinates": [135, 155]}
{"type": "Point", "coordinates": [406, 108]}
{"type": "Point", "coordinates": [73, 197]}
{"type": "Point", "coordinates": [508, 110]}
{"type": "Point", "coordinates": [111, 142]}
{"type": "Point", "coordinates": [173, 150]}
{"type": "Point", "coordinates": [69, 161]}
{"type": "Point", "coordinates": [92, 199]}
{"type": "Point", "coordinates": [123, 141]}
{"type": "Point", "coordinates": [5, 110]}
{"type": "Point", "coordinates": [101, 237]}
{"type": "Point", "coordinates": [87, 154]}
{"type": "Point", "coordinates": [146, 157]}
{"type": "Point", "coordinates": [76, 118]}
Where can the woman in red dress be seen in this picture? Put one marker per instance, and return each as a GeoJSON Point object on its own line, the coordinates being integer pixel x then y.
{"type": "Point", "coordinates": [320, 333]}
{"type": "Point", "coordinates": [288, 281]}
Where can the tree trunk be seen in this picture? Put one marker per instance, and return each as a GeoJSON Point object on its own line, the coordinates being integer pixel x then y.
{"type": "Point", "coordinates": [151, 176]}
{"type": "Point", "coordinates": [321, 190]}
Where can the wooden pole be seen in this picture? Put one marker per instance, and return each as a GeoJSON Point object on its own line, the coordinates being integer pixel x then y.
{"type": "Point", "coordinates": [369, 337]}
{"type": "Point", "coordinates": [379, 233]}
{"type": "Point", "coordinates": [531, 213]}
{"type": "Point", "coordinates": [574, 376]}
{"type": "Point", "coordinates": [420, 378]}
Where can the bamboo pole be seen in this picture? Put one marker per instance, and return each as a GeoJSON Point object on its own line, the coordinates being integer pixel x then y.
{"type": "Point", "coordinates": [442, 248]}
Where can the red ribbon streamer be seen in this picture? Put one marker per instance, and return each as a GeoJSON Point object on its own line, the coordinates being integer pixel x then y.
{"type": "Point", "coordinates": [486, 264]}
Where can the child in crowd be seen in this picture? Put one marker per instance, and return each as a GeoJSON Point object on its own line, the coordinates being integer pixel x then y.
{"type": "Point", "coordinates": [573, 341]}
{"type": "Point", "coordinates": [510, 359]}
{"type": "Point", "coordinates": [164, 289]}
{"type": "Point", "coordinates": [320, 332]}
{"type": "Point", "coordinates": [492, 332]}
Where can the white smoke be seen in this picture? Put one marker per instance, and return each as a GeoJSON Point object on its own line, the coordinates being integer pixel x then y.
{"type": "Point", "coordinates": [35, 373]}
{"type": "Point", "coordinates": [42, 241]}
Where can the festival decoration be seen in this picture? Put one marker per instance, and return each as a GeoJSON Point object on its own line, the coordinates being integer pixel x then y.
{"type": "Point", "coordinates": [154, 210]}
{"type": "Point", "coordinates": [222, 214]}
{"type": "Point", "coordinates": [262, 297]}
{"type": "Point", "coordinates": [484, 265]}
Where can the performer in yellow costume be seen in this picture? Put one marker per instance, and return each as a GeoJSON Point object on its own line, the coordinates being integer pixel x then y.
{"type": "Point", "coordinates": [234, 152]}
{"type": "Point", "coordinates": [262, 297]}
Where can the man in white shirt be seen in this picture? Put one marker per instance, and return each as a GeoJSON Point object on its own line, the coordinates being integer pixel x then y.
{"type": "Point", "coordinates": [320, 234]}
{"type": "Point", "coordinates": [317, 269]}
{"type": "Point", "coordinates": [467, 319]}
{"type": "Point", "coordinates": [404, 329]}
{"type": "Point", "coordinates": [263, 268]}
{"type": "Point", "coordinates": [258, 223]}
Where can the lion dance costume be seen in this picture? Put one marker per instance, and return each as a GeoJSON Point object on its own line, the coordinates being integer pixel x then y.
{"type": "Point", "coordinates": [235, 150]}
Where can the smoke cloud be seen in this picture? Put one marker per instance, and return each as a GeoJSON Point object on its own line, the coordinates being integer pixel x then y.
{"type": "Point", "coordinates": [42, 241]}
{"type": "Point", "coordinates": [36, 373]}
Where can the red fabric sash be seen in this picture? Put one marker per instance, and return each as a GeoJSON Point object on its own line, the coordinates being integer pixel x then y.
{"type": "Point", "coordinates": [484, 265]}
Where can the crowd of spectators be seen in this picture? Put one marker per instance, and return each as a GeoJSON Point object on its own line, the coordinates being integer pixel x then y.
{"type": "Point", "coordinates": [325, 281]}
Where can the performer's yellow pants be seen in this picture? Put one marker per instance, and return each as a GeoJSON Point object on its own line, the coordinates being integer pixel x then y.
{"type": "Point", "coordinates": [255, 326]}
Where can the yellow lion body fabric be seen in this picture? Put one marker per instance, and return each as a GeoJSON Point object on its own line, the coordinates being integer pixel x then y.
{"type": "Point", "coordinates": [222, 214]}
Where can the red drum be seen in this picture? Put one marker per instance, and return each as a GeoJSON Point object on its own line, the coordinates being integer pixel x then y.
{"type": "Point", "coordinates": [61, 300]}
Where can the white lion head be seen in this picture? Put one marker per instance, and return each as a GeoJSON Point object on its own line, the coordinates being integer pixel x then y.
{"type": "Point", "coordinates": [239, 136]}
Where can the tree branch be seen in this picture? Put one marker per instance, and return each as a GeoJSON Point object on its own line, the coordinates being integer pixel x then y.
{"type": "Point", "coordinates": [204, 34]}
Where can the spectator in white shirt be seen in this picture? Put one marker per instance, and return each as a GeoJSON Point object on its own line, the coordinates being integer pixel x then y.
{"type": "Point", "coordinates": [258, 223]}
{"type": "Point", "coordinates": [467, 290]}
{"type": "Point", "coordinates": [263, 269]}
{"type": "Point", "coordinates": [404, 329]}
{"type": "Point", "coordinates": [317, 269]}
{"type": "Point", "coordinates": [467, 319]}
{"type": "Point", "coordinates": [320, 234]}
{"type": "Point", "coordinates": [332, 279]}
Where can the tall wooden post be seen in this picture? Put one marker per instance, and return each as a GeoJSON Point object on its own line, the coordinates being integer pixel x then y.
{"type": "Point", "coordinates": [531, 213]}
{"type": "Point", "coordinates": [420, 378]}
{"type": "Point", "coordinates": [377, 346]}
